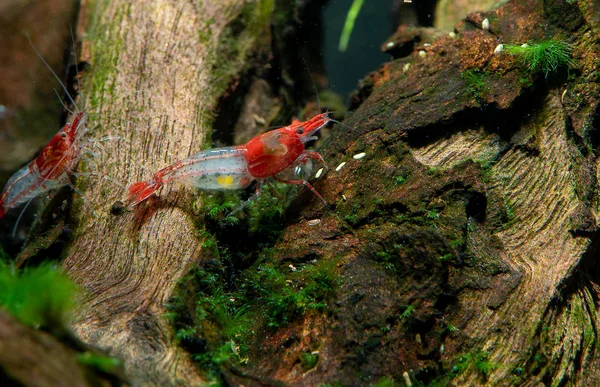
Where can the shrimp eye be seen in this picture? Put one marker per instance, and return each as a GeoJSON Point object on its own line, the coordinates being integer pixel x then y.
{"type": "Point", "coordinates": [300, 130]}
{"type": "Point", "coordinates": [63, 134]}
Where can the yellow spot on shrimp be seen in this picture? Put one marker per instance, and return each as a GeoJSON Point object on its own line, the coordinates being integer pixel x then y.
{"type": "Point", "coordinates": [225, 180]}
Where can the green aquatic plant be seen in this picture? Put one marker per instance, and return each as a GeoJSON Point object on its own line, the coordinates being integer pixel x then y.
{"type": "Point", "coordinates": [219, 206]}
{"type": "Point", "coordinates": [547, 56]}
{"type": "Point", "coordinates": [479, 360]}
{"type": "Point", "coordinates": [407, 312]}
{"type": "Point", "coordinates": [284, 297]}
{"type": "Point", "coordinates": [475, 82]}
{"type": "Point", "coordinates": [40, 297]}
{"type": "Point", "coordinates": [309, 360]}
{"type": "Point", "coordinates": [219, 328]}
{"type": "Point", "coordinates": [386, 381]}
{"type": "Point", "coordinates": [101, 363]}
{"type": "Point", "coordinates": [349, 24]}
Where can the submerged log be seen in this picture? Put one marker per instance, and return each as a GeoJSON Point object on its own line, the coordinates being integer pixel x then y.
{"type": "Point", "coordinates": [462, 235]}
{"type": "Point", "coordinates": [157, 70]}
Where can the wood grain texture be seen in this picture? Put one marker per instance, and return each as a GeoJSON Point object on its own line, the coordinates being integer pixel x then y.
{"type": "Point", "coordinates": [150, 84]}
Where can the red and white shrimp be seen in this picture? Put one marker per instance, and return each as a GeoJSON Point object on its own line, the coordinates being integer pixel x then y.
{"type": "Point", "coordinates": [53, 168]}
{"type": "Point", "coordinates": [270, 154]}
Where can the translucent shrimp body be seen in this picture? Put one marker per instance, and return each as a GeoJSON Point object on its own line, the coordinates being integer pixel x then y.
{"type": "Point", "coordinates": [214, 169]}
{"type": "Point", "coordinates": [264, 156]}
{"type": "Point", "coordinates": [23, 186]}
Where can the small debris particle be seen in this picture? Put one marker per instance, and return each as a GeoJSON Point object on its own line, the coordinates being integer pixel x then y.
{"type": "Point", "coordinates": [314, 222]}
{"type": "Point", "coordinates": [117, 208]}
{"type": "Point", "coordinates": [418, 339]}
{"type": "Point", "coordinates": [337, 169]}
{"type": "Point", "coordinates": [390, 44]}
{"type": "Point", "coordinates": [259, 120]}
{"type": "Point", "coordinates": [485, 24]}
{"type": "Point", "coordinates": [232, 299]}
{"type": "Point", "coordinates": [406, 67]}
{"type": "Point", "coordinates": [442, 349]}
{"type": "Point", "coordinates": [422, 53]}
{"type": "Point", "coordinates": [426, 44]}
{"type": "Point", "coordinates": [344, 197]}
{"type": "Point", "coordinates": [359, 156]}
{"type": "Point", "coordinates": [314, 353]}
{"type": "Point", "coordinates": [452, 34]}
{"type": "Point", "coordinates": [289, 281]}
{"type": "Point", "coordinates": [499, 48]}
{"type": "Point", "coordinates": [319, 172]}
{"type": "Point", "coordinates": [407, 1]}
{"type": "Point", "coordinates": [292, 267]}
{"type": "Point", "coordinates": [407, 379]}
{"type": "Point", "coordinates": [524, 45]}
{"type": "Point", "coordinates": [562, 97]}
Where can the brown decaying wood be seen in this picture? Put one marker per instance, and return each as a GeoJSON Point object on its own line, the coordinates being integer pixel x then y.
{"type": "Point", "coordinates": [129, 264]}
{"type": "Point", "coordinates": [35, 358]}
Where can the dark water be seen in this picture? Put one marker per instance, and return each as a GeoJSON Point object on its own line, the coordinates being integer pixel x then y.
{"type": "Point", "coordinates": [372, 27]}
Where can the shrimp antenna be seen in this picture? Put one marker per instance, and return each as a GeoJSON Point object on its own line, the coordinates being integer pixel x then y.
{"type": "Point", "coordinates": [52, 71]}
{"type": "Point", "coordinates": [76, 61]}
{"type": "Point", "coordinates": [61, 102]}
{"type": "Point", "coordinates": [313, 82]}
{"type": "Point", "coordinates": [14, 231]}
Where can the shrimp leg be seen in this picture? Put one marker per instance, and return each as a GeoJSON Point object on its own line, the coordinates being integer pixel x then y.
{"type": "Point", "coordinates": [305, 183]}
{"type": "Point", "coordinates": [259, 188]}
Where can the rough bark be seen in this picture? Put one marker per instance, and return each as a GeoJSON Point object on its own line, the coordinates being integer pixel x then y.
{"type": "Point", "coordinates": [154, 84]}
{"type": "Point", "coordinates": [464, 240]}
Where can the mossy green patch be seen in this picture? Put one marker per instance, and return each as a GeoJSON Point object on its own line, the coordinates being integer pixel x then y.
{"type": "Point", "coordinates": [104, 55]}
{"type": "Point", "coordinates": [219, 206]}
{"type": "Point", "coordinates": [476, 84]}
{"type": "Point", "coordinates": [238, 40]}
{"type": "Point", "coordinates": [386, 381]}
{"type": "Point", "coordinates": [309, 360]}
{"type": "Point", "coordinates": [98, 362]}
{"type": "Point", "coordinates": [546, 56]}
{"type": "Point", "coordinates": [408, 311]}
{"type": "Point", "coordinates": [40, 297]}
{"type": "Point", "coordinates": [479, 361]}
{"type": "Point", "coordinates": [217, 316]}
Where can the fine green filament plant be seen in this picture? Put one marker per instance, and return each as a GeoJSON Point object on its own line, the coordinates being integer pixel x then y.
{"type": "Point", "coordinates": [349, 24]}
{"type": "Point", "coordinates": [547, 56]}
{"type": "Point", "coordinates": [40, 297]}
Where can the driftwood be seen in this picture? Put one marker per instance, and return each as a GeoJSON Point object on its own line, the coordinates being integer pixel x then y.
{"type": "Point", "coordinates": [151, 85]}
{"type": "Point", "coordinates": [464, 240]}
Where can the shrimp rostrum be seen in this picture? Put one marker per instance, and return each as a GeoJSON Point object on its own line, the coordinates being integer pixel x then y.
{"type": "Point", "coordinates": [236, 167]}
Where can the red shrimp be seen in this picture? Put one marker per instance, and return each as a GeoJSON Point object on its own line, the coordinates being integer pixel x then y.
{"type": "Point", "coordinates": [51, 169]}
{"type": "Point", "coordinates": [264, 156]}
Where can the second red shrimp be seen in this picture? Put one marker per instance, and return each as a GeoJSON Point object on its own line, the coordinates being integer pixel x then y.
{"type": "Point", "coordinates": [264, 156]}
{"type": "Point", "coordinates": [54, 167]}
{"type": "Point", "coordinates": [51, 169]}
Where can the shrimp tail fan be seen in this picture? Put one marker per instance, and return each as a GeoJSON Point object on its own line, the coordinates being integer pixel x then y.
{"type": "Point", "coordinates": [138, 192]}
